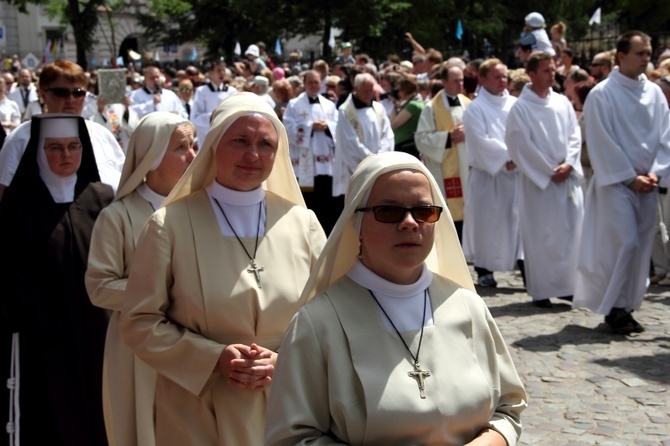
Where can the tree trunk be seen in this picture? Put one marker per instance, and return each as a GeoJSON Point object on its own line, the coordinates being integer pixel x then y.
{"type": "Point", "coordinates": [327, 24]}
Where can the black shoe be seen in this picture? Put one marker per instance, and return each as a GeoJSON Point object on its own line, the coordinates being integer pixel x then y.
{"type": "Point", "coordinates": [487, 281]}
{"type": "Point", "coordinates": [621, 322]}
{"type": "Point", "coordinates": [568, 298]}
{"type": "Point", "coordinates": [543, 303]}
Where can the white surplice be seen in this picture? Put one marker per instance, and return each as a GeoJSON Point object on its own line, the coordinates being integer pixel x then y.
{"type": "Point", "coordinates": [143, 102]}
{"type": "Point", "coordinates": [307, 146]}
{"type": "Point", "coordinates": [491, 237]}
{"type": "Point", "coordinates": [377, 137]}
{"type": "Point", "coordinates": [628, 134]}
{"type": "Point", "coordinates": [206, 99]}
{"type": "Point", "coordinates": [541, 134]}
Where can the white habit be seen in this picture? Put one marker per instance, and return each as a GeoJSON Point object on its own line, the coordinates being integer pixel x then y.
{"type": "Point", "coordinates": [628, 134]}
{"type": "Point", "coordinates": [541, 134]}
{"type": "Point", "coordinates": [491, 237]}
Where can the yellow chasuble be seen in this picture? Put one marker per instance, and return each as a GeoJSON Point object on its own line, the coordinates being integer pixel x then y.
{"type": "Point", "coordinates": [450, 171]}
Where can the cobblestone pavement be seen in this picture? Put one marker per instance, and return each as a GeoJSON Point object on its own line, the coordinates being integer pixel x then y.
{"type": "Point", "coordinates": [585, 385]}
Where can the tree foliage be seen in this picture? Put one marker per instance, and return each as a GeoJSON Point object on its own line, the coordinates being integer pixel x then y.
{"type": "Point", "coordinates": [377, 27]}
{"type": "Point", "coordinates": [81, 15]}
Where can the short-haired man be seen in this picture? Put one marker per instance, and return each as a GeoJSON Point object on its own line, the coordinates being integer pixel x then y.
{"type": "Point", "coordinates": [63, 90]}
{"type": "Point", "coordinates": [491, 237]}
{"type": "Point", "coordinates": [152, 97]}
{"type": "Point", "coordinates": [208, 96]}
{"type": "Point", "coordinates": [544, 141]}
{"type": "Point", "coordinates": [24, 92]}
{"type": "Point", "coordinates": [311, 125]}
{"type": "Point", "coordinates": [362, 129]}
{"type": "Point", "coordinates": [440, 139]}
{"type": "Point", "coordinates": [601, 66]}
{"type": "Point", "coordinates": [628, 136]}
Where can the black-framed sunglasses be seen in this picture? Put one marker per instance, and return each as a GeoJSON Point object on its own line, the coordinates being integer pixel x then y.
{"type": "Point", "coordinates": [387, 213]}
{"type": "Point", "coordinates": [61, 92]}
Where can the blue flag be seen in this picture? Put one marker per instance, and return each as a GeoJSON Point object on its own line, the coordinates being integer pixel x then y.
{"type": "Point", "coordinates": [459, 30]}
{"type": "Point", "coordinates": [277, 46]}
{"type": "Point", "coordinates": [194, 55]}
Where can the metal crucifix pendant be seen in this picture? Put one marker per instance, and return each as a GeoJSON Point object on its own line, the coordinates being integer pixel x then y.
{"type": "Point", "coordinates": [420, 376]}
{"type": "Point", "coordinates": [256, 271]}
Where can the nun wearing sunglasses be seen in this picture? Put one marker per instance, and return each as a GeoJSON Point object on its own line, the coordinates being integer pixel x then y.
{"type": "Point", "coordinates": [62, 89]}
{"type": "Point", "coordinates": [395, 347]}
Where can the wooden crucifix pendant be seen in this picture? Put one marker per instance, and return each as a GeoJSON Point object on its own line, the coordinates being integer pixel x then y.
{"type": "Point", "coordinates": [256, 271]}
{"type": "Point", "coordinates": [420, 376]}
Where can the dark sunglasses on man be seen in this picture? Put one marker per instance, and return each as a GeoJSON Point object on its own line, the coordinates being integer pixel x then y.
{"type": "Point", "coordinates": [395, 214]}
{"type": "Point", "coordinates": [61, 92]}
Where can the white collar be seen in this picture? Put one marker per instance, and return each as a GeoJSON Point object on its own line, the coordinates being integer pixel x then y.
{"type": "Point", "coordinates": [528, 94]}
{"type": "Point", "coordinates": [155, 199]}
{"type": "Point", "coordinates": [626, 81]}
{"type": "Point", "coordinates": [235, 197]}
{"type": "Point", "coordinates": [363, 276]}
{"type": "Point", "coordinates": [496, 100]}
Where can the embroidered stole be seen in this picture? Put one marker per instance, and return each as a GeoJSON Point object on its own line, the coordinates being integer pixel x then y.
{"type": "Point", "coordinates": [453, 188]}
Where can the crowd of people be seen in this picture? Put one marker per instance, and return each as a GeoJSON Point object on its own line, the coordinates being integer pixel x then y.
{"type": "Point", "coordinates": [267, 252]}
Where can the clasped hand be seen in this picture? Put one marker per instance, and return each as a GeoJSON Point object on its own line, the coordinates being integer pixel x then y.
{"type": "Point", "coordinates": [644, 183]}
{"type": "Point", "coordinates": [562, 172]}
{"type": "Point", "coordinates": [247, 366]}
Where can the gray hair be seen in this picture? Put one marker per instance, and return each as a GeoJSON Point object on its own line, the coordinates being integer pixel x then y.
{"type": "Point", "coordinates": [363, 77]}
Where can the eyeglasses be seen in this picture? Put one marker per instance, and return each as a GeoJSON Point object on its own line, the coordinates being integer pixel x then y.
{"type": "Point", "coordinates": [60, 92]}
{"type": "Point", "coordinates": [59, 149]}
{"type": "Point", "coordinates": [186, 90]}
{"type": "Point", "coordinates": [595, 64]}
{"type": "Point", "coordinates": [395, 214]}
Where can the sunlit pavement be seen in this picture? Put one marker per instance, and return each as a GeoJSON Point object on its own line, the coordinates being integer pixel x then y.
{"type": "Point", "coordinates": [587, 386]}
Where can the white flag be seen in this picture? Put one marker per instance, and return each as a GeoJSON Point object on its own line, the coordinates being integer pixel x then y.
{"type": "Point", "coordinates": [595, 18]}
{"type": "Point", "coordinates": [238, 49]}
{"type": "Point", "coordinates": [331, 39]}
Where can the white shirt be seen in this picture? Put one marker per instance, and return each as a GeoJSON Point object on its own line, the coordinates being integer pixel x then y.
{"type": "Point", "coordinates": [9, 111]}
{"type": "Point", "coordinates": [143, 102]}
{"type": "Point", "coordinates": [17, 94]}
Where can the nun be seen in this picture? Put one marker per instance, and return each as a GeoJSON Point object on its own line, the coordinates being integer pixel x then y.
{"type": "Point", "coordinates": [395, 347]}
{"type": "Point", "coordinates": [217, 276]}
{"type": "Point", "coordinates": [159, 151]}
{"type": "Point", "coordinates": [46, 219]}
